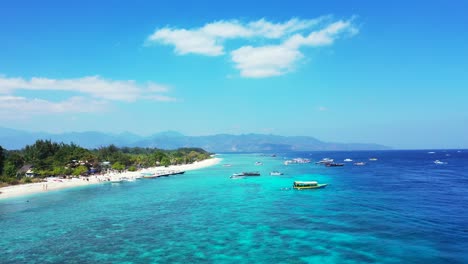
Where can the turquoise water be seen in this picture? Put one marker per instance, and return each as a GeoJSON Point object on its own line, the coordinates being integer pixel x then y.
{"type": "Point", "coordinates": [399, 209]}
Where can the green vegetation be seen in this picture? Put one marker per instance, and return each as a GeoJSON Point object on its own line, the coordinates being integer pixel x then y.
{"type": "Point", "coordinates": [46, 158]}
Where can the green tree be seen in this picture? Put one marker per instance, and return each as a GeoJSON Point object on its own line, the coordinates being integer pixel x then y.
{"type": "Point", "coordinates": [40, 153]}
{"type": "Point", "coordinates": [16, 158]}
{"type": "Point", "coordinates": [118, 166]}
{"type": "Point", "coordinates": [80, 170]}
{"type": "Point", "coordinates": [9, 169]}
{"type": "Point", "coordinates": [165, 162]}
{"type": "Point", "coordinates": [2, 159]}
{"type": "Point", "coordinates": [58, 170]}
{"type": "Point", "coordinates": [132, 168]}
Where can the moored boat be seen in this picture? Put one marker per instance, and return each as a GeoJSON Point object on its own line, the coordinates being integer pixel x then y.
{"type": "Point", "coordinates": [334, 164]}
{"type": "Point", "coordinates": [276, 173]}
{"type": "Point", "coordinates": [237, 176]}
{"type": "Point", "coordinates": [360, 163]}
{"type": "Point", "coordinates": [373, 159]}
{"type": "Point", "coordinates": [116, 180]}
{"type": "Point", "coordinates": [160, 174]}
{"type": "Point", "coordinates": [245, 174]}
{"type": "Point", "coordinates": [348, 160]}
{"type": "Point", "coordinates": [297, 161]}
{"type": "Point", "coordinates": [303, 185]}
{"type": "Point", "coordinates": [129, 179]}
{"type": "Point", "coordinates": [438, 162]}
{"type": "Point", "coordinates": [149, 175]}
{"type": "Point", "coordinates": [251, 173]}
{"type": "Point", "coordinates": [325, 161]}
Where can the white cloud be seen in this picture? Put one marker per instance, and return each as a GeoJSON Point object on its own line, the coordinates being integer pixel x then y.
{"type": "Point", "coordinates": [264, 61]}
{"type": "Point", "coordinates": [271, 30]}
{"type": "Point", "coordinates": [87, 95]}
{"type": "Point", "coordinates": [226, 30]}
{"type": "Point", "coordinates": [323, 37]}
{"type": "Point", "coordinates": [186, 41]}
{"type": "Point", "coordinates": [93, 86]}
{"type": "Point", "coordinates": [208, 40]}
{"type": "Point", "coordinates": [14, 106]}
{"type": "Point", "coordinates": [272, 59]}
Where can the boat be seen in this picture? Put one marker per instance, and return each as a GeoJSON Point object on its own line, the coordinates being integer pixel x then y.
{"type": "Point", "coordinates": [431, 152]}
{"type": "Point", "coordinates": [360, 163]}
{"type": "Point", "coordinates": [116, 180]}
{"type": "Point", "coordinates": [334, 164]}
{"type": "Point", "coordinates": [236, 176]}
{"type": "Point", "coordinates": [252, 173]}
{"type": "Point", "coordinates": [301, 185]}
{"type": "Point", "coordinates": [128, 179]}
{"type": "Point", "coordinates": [276, 173]}
{"type": "Point", "coordinates": [149, 175]}
{"type": "Point", "coordinates": [245, 174]}
{"type": "Point", "coordinates": [325, 161]}
{"type": "Point", "coordinates": [297, 161]}
{"type": "Point", "coordinates": [438, 162]}
{"type": "Point", "coordinates": [258, 163]}
{"type": "Point", "coordinates": [227, 165]}
{"type": "Point", "coordinates": [373, 159]}
{"type": "Point", "coordinates": [348, 160]}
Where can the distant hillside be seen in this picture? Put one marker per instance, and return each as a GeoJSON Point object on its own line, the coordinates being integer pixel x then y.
{"type": "Point", "coordinates": [16, 139]}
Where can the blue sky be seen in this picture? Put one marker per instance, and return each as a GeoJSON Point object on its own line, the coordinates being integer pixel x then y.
{"type": "Point", "coordinates": [393, 72]}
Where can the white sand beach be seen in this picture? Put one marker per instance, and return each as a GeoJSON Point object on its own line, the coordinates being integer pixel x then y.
{"type": "Point", "coordinates": [51, 184]}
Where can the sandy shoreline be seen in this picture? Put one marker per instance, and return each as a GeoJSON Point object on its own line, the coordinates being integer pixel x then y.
{"type": "Point", "coordinates": [58, 184]}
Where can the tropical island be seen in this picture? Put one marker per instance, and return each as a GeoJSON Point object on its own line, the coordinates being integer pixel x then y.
{"type": "Point", "coordinates": [45, 159]}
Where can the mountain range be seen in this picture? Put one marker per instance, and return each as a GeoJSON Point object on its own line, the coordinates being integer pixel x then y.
{"type": "Point", "coordinates": [17, 139]}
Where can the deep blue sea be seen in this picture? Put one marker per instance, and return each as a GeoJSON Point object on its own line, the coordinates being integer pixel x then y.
{"type": "Point", "coordinates": [402, 208]}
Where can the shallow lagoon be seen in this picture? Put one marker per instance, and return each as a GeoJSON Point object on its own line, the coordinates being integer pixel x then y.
{"type": "Point", "coordinates": [400, 208]}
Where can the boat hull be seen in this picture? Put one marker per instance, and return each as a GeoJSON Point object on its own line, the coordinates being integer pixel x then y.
{"type": "Point", "coordinates": [318, 186]}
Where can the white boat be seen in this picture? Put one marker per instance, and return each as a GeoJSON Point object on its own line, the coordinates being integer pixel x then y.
{"type": "Point", "coordinates": [237, 176]}
{"type": "Point", "coordinates": [116, 180]}
{"type": "Point", "coordinates": [297, 161]}
{"type": "Point", "coordinates": [325, 161]}
{"type": "Point", "coordinates": [276, 173]}
{"type": "Point", "coordinates": [431, 152]}
{"type": "Point", "coordinates": [258, 163]}
{"type": "Point", "coordinates": [438, 162]}
{"type": "Point", "coordinates": [227, 165]}
{"type": "Point", "coordinates": [373, 159]}
{"type": "Point", "coordinates": [348, 160]}
{"type": "Point", "coordinates": [129, 179]}
{"type": "Point", "coordinates": [360, 163]}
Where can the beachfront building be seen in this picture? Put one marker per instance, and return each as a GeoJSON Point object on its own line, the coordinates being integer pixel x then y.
{"type": "Point", "coordinates": [26, 170]}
